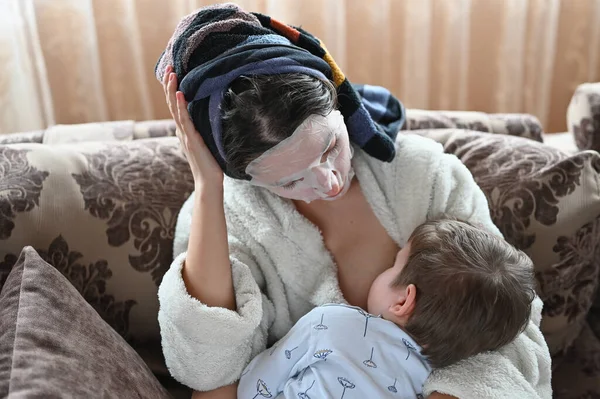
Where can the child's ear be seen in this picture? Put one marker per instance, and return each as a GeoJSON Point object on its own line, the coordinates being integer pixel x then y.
{"type": "Point", "coordinates": [405, 302]}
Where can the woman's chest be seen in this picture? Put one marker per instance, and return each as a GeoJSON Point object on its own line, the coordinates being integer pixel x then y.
{"type": "Point", "coordinates": [362, 250]}
{"type": "Point", "coordinates": [358, 243]}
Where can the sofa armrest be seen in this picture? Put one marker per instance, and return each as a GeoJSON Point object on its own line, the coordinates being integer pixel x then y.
{"type": "Point", "coordinates": [154, 128]}
{"type": "Point", "coordinates": [522, 125]}
{"type": "Point", "coordinates": [583, 116]}
{"type": "Point", "coordinates": [96, 131]}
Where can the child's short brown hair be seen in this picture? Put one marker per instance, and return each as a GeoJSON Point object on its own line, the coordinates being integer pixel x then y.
{"type": "Point", "coordinates": [474, 290]}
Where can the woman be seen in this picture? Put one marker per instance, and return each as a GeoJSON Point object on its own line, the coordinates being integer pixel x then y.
{"type": "Point", "coordinates": [290, 228]}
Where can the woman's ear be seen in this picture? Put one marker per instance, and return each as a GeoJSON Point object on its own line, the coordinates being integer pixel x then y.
{"type": "Point", "coordinates": [405, 303]}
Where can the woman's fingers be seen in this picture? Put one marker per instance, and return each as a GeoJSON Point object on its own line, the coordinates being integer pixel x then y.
{"type": "Point", "coordinates": [183, 114]}
{"type": "Point", "coordinates": [169, 83]}
{"type": "Point", "coordinates": [178, 107]}
{"type": "Point", "coordinates": [171, 100]}
{"type": "Point", "coordinates": [165, 79]}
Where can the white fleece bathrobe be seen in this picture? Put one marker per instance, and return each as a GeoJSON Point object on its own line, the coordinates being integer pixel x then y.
{"type": "Point", "coordinates": [282, 269]}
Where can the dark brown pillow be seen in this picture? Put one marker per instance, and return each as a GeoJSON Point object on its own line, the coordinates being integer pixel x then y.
{"type": "Point", "coordinates": [54, 345]}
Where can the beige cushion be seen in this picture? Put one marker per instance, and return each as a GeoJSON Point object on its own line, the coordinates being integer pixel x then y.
{"type": "Point", "coordinates": [546, 203]}
{"type": "Point", "coordinates": [104, 215]}
{"type": "Point", "coordinates": [53, 343]}
{"type": "Point", "coordinates": [583, 116]}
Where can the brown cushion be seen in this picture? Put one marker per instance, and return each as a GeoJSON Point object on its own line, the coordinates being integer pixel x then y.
{"type": "Point", "coordinates": [54, 344]}
{"type": "Point", "coordinates": [104, 215]}
{"type": "Point", "coordinates": [546, 203]}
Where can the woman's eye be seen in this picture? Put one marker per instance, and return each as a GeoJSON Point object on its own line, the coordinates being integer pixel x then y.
{"type": "Point", "coordinates": [331, 150]}
{"type": "Point", "coordinates": [336, 146]}
{"type": "Point", "coordinates": [291, 185]}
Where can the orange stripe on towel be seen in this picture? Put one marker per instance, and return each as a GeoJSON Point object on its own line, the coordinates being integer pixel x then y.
{"type": "Point", "coordinates": [286, 30]}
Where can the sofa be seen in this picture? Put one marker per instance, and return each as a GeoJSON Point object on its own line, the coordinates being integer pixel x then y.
{"type": "Point", "coordinates": [87, 218]}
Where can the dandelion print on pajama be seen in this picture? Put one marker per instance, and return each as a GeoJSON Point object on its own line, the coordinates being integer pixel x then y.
{"type": "Point", "coordinates": [338, 351]}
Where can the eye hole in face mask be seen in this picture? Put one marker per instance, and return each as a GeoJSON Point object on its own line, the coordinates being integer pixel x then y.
{"type": "Point", "coordinates": [336, 147]}
{"type": "Point", "coordinates": [292, 185]}
{"type": "Point", "coordinates": [333, 150]}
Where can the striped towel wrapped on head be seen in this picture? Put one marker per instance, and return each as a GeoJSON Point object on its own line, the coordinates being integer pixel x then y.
{"type": "Point", "coordinates": [215, 45]}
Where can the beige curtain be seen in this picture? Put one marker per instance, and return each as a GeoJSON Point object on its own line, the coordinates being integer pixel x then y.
{"type": "Point", "coordinates": [74, 61]}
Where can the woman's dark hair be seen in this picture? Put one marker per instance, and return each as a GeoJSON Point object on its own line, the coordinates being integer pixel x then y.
{"type": "Point", "coordinates": [260, 111]}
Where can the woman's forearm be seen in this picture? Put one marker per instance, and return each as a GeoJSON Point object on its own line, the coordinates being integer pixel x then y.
{"type": "Point", "coordinates": [207, 269]}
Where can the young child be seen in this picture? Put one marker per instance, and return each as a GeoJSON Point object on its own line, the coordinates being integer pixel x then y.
{"type": "Point", "coordinates": [453, 292]}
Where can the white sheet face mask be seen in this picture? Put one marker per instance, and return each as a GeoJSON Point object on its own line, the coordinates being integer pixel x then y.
{"type": "Point", "coordinates": [313, 163]}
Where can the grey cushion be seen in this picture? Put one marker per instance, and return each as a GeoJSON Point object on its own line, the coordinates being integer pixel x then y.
{"type": "Point", "coordinates": [54, 344]}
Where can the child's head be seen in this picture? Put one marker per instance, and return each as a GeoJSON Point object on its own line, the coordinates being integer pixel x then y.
{"type": "Point", "coordinates": [457, 290]}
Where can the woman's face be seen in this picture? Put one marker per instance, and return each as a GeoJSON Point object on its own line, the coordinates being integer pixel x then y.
{"type": "Point", "coordinates": [313, 163]}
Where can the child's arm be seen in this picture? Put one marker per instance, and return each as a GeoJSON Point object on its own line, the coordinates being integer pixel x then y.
{"type": "Point", "coordinates": [268, 372]}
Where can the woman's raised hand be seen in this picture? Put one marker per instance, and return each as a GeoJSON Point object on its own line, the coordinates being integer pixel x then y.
{"type": "Point", "coordinates": [205, 169]}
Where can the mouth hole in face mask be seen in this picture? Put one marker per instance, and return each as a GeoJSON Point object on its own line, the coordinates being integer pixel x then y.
{"type": "Point", "coordinates": [338, 177]}
{"type": "Point", "coordinates": [336, 184]}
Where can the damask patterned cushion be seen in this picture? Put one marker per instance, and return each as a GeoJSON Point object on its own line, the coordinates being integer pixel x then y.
{"type": "Point", "coordinates": [546, 203]}
{"type": "Point", "coordinates": [104, 215]}
{"type": "Point", "coordinates": [583, 116]}
{"type": "Point", "coordinates": [53, 343]}
{"type": "Point", "coordinates": [521, 125]}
